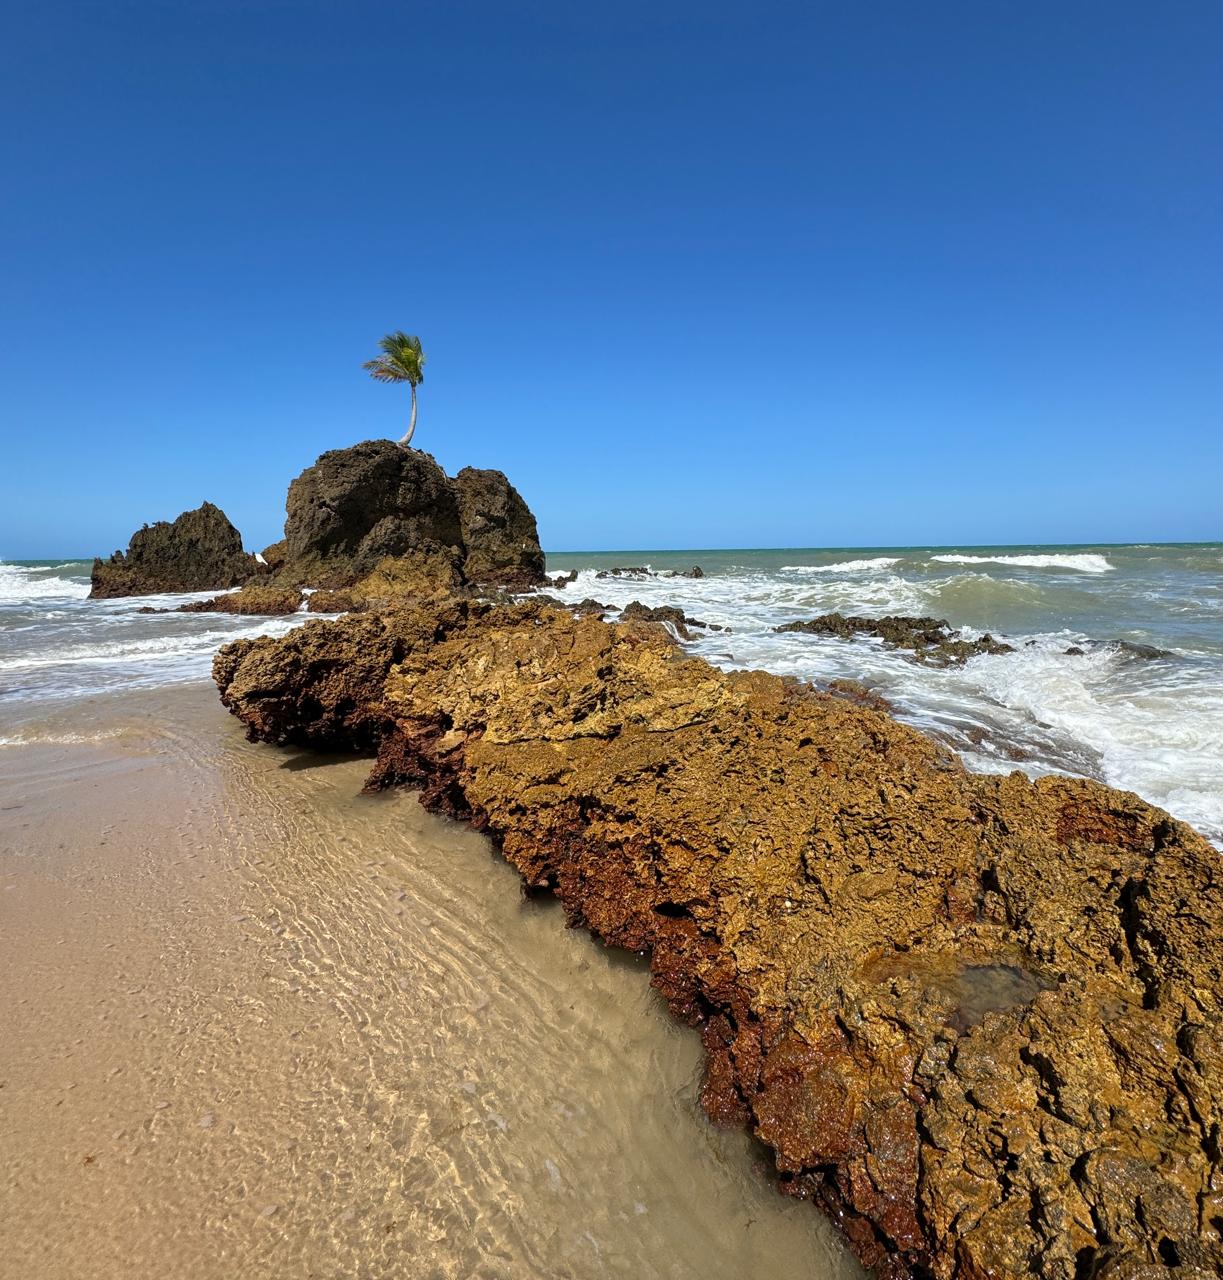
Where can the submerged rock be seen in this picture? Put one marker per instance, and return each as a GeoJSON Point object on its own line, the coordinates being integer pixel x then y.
{"type": "Point", "coordinates": [932, 640]}
{"type": "Point", "coordinates": [199, 551]}
{"type": "Point", "coordinates": [977, 1018]}
{"type": "Point", "coordinates": [625, 571]}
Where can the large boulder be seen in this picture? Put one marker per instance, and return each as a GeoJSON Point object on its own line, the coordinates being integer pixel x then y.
{"type": "Point", "coordinates": [499, 532]}
{"type": "Point", "coordinates": [200, 551]}
{"type": "Point", "coordinates": [355, 507]}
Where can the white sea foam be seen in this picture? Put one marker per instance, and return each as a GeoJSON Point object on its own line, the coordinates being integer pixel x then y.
{"type": "Point", "coordinates": [1085, 562]}
{"type": "Point", "coordinates": [21, 582]}
{"type": "Point", "coordinates": [35, 738]}
{"type": "Point", "coordinates": [845, 566]}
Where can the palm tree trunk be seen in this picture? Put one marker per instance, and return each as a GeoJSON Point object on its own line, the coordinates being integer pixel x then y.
{"type": "Point", "coordinates": [407, 439]}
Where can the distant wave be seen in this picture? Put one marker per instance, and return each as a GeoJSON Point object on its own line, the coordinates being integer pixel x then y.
{"type": "Point", "coordinates": [1084, 563]}
{"type": "Point", "coordinates": [845, 566]}
{"type": "Point", "coordinates": [19, 582]}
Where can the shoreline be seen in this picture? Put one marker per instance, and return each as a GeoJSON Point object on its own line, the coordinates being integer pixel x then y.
{"type": "Point", "coordinates": [377, 1057]}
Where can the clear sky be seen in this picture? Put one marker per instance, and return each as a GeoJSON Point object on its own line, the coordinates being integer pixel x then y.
{"type": "Point", "coordinates": [692, 274]}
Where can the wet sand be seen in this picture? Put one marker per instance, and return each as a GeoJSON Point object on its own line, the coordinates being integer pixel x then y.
{"type": "Point", "coordinates": [253, 1021]}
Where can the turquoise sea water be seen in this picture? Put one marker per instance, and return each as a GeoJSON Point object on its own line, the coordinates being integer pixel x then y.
{"type": "Point", "coordinates": [1151, 722]}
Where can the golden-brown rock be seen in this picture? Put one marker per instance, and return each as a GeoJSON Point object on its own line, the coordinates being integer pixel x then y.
{"type": "Point", "coordinates": [253, 599]}
{"type": "Point", "coordinates": [976, 1018]}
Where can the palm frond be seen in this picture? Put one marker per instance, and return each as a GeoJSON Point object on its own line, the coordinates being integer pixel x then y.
{"type": "Point", "coordinates": [385, 370]}
{"type": "Point", "coordinates": [402, 359]}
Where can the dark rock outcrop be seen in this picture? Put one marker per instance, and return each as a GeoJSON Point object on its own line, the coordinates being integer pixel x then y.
{"type": "Point", "coordinates": [977, 1018]}
{"type": "Point", "coordinates": [636, 611]}
{"type": "Point", "coordinates": [625, 571]}
{"type": "Point", "coordinates": [377, 511]}
{"type": "Point", "coordinates": [500, 538]}
{"type": "Point", "coordinates": [933, 641]}
{"type": "Point", "coordinates": [356, 507]}
{"type": "Point", "coordinates": [200, 551]}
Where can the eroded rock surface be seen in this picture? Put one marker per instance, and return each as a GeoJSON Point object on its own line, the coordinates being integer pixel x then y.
{"type": "Point", "coordinates": [357, 510]}
{"type": "Point", "coordinates": [355, 507]}
{"type": "Point", "coordinates": [636, 611]}
{"type": "Point", "coordinates": [256, 600]}
{"type": "Point", "coordinates": [933, 641]}
{"type": "Point", "coordinates": [199, 551]}
{"type": "Point", "coordinates": [975, 1017]}
{"type": "Point", "coordinates": [500, 539]}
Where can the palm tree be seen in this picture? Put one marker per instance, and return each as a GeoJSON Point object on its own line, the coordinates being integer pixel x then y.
{"type": "Point", "coordinates": [402, 360]}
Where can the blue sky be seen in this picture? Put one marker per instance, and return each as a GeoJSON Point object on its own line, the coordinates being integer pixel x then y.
{"type": "Point", "coordinates": [692, 274]}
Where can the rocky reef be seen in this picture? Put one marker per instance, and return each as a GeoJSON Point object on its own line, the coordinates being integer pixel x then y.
{"type": "Point", "coordinates": [976, 1018]}
{"type": "Point", "coordinates": [200, 551]}
{"type": "Point", "coordinates": [933, 641]}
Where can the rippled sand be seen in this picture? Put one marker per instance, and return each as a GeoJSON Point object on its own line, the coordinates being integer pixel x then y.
{"type": "Point", "coordinates": [253, 1022]}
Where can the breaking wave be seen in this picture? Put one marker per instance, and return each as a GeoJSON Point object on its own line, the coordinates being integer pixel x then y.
{"type": "Point", "coordinates": [1086, 562]}
{"type": "Point", "coordinates": [21, 582]}
{"type": "Point", "coordinates": [845, 566]}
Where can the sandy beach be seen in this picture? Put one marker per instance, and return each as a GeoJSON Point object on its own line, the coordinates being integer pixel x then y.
{"type": "Point", "coordinates": [255, 1020]}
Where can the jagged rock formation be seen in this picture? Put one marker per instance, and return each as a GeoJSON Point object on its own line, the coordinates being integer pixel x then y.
{"type": "Point", "coordinates": [977, 1018]}
{"type": "Point", "coordinates": [378, 509]}
{"type": "Point", "coordinates": [635, 610]}
{"type": "Point", "coordinates": [499, 533]}
{"type": "Point", "coordinates": [274, 555]}
{"type": "Point", "coordinates": [356, 507]}
{"type": "Point", "coordinates": [933, 641]}
{"type": "Point", "coordinates": [200, 551]}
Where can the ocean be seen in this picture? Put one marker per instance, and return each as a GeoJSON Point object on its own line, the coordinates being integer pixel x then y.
{"type": "Point", "coordinates": [1140, 707]}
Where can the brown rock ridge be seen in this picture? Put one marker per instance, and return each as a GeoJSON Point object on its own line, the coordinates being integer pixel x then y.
{"type": "Point", "coordinates": [256, 599]}
{"type": "Point", "coordinates": [199, 551]}
{"type": "Point", "coordinates": [977, 1018]}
